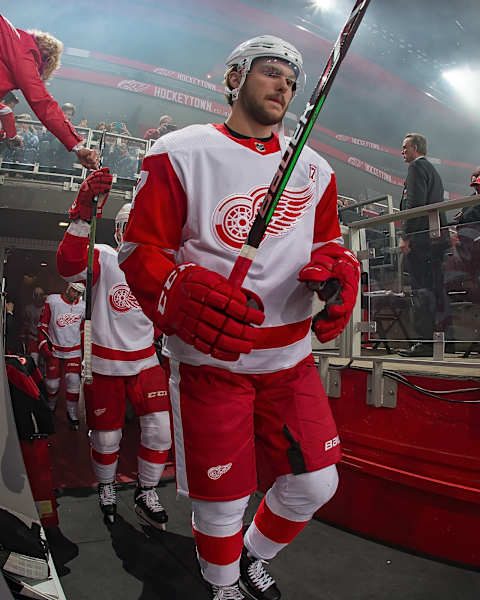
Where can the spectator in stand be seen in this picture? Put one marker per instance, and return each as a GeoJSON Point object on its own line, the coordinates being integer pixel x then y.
{"type": "Point", "coordinates": [68, 110]}
{"type": "Point", "coordinates": [464, 265]}
{"type": "Point", "coordinates": [164, 126]}
{"type": "Point", "coordinates": [471, 214]}
{"type": "Point", "coordinates": [27, 60]}
{"type": "Point", "coordinates": [119, 128]}
{"type": "Point", "coordinates": [59, 156]}
{"type": "Point", "coordinates": [30, 143]}
{"type": "Point", "coordinates": [102, 126]}
{"type": "Point", "coordinates": [126, 165]}
{"type": "Point", "coordinates": [9, 102]}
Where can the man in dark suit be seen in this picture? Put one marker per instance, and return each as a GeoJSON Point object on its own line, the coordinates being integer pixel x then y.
{"type": "Point", "coordinates": [423, 257]}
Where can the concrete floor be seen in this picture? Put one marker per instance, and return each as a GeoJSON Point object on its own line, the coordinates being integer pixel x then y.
{"type": "Point", "coordinates": [129, 562]}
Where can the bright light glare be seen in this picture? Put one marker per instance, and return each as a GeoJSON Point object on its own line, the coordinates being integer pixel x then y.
{"type": "Point", "coordinates": [466, 83]}
{"type": "Point", "coordinates": [323, 5]}
{"type": "Point", "coordinates": [459, 78]}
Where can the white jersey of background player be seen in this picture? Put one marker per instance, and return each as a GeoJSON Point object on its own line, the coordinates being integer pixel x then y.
{"type": "Point", "coordinates": [124, 361]}
{"type": "Point", "coordinates": [59, 342]}
{"type": "Point", "coordinates": [246, 400]}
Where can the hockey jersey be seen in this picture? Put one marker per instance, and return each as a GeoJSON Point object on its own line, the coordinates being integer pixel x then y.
{"type": "Point", "coordinates": [61, 321]}
{"type": "Point", "coordinates": [122, 336]}
{"type": "Point", "coordinates": [199, 191]}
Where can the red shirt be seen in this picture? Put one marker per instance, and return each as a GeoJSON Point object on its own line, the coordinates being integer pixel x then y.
{"type": "Point", "coordinates": [19, 69]}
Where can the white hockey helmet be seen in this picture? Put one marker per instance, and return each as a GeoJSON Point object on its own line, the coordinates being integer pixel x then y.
{"type": "Point", "coordinates": [243, 56]}
{"type": "Point", "coordinates": [77, 286]}
{"type": "Point", "coordinates": [121, 221]}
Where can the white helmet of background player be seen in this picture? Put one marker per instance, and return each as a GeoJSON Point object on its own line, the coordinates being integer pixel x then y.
{"type": "Point", "coordinates": [121, 221]}
{"type": "Point", "coordinates": [242, 57]}
{"type": "Point", "coordinates": [77, 286]}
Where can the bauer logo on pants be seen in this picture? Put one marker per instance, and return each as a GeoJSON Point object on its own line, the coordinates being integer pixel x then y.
{"type": "Point", "coordinates": [332, 443]}
{"type": "Point", "coordinates": [218, 471]}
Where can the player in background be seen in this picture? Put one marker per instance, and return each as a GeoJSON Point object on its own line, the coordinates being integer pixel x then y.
{"type": "Point", "coordinates": [247, 401]}
{"type": "Point", "coordinates": [29, 328]}
{"type": "Point", "coordinates": [27, 60]}
{"type": "Point", "coordinates": [124, 361]}
{"type": "Point", "coordinates": [59, 342]}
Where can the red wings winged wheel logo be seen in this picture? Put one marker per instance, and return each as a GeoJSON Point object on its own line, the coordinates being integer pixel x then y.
{"type": "Point", "coordinates": [234, 216]}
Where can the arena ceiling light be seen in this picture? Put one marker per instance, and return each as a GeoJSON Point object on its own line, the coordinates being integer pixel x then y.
{"type": "Point", "coordinates": [63, 224]}
{"type": "Point", "coordinates": [459, 78]}
{"type": "Point", "coordinates": [323, 5]}
{"type": "Point", "coordinates": [466, 83]}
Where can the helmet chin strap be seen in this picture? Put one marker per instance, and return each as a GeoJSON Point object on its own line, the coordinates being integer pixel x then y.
{"type": "Point", "coordinates": [243, 68]}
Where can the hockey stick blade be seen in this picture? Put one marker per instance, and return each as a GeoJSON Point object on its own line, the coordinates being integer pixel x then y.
{"type": "Point", "coordinates": [297, 142]}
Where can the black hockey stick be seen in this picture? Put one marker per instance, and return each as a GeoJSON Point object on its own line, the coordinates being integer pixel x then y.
{"type": "Point", "coordinates": [87, 328]}
{"type": "Point", "coordinates": [299, 138]}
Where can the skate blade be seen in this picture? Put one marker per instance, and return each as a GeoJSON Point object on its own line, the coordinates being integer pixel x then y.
{"type": "Point", "coordinates": [154, 524]}
{"type": "Point", "coordinates": [245, 591]}
{"type": "Point", "coordinates": [109, 519]}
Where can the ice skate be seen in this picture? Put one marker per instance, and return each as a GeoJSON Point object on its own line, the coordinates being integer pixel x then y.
{"type": "Point", "coordinates": [255, 580]}
{"type": "Point", "coordinates": [148, 507]}
{"type": "Point", "coordinates": [225, 592]}
{"type": "Point", "coordinates": [74, 424]}
{"type": "Point", "coordinates": [107, 497]}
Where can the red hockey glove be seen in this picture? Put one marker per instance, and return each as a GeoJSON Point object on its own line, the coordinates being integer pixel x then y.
{"type": "Point", "coordinates": [44, 349]}
{"type": "Point", "coordinates": [334, 273]}
{"type": "Point", "coordinates": [206, 311]}
{"type": "Point", "coordinates": [98, 184]}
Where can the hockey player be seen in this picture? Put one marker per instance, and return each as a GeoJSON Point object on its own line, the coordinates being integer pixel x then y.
{"type": "Point", "coordinates": [246, 400]}
{"type": "Point", "coordinates": [124, 361]}
{"type": "Point", "coordinates": [27, 59]}
{"type": "Point", "coordinates": [59, 342]}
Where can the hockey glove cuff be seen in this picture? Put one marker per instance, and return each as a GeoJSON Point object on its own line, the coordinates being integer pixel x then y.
{"type": "Point", "coordinates": [334, 273]}
{"type": "Point", "coordinates": [203, 309]}
{"type": "Point", "coordinates": [44, 349]}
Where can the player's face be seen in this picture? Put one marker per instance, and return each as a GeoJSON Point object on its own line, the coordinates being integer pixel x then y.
{"type": "Point", "coordinates": [268, 90]}
{"type": "Point", "coordinates": [72, 294]}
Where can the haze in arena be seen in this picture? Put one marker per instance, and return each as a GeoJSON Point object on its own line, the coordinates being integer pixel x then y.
{"type": "Point", "coordinates": [119, 448]}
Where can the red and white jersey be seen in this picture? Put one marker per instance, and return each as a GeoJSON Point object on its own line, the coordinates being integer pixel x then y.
{"type": "Point", "coordinates": [199, 191]}
{"type": "Point", "coordinates": [122, 336]}
{"type": "Point", "coordinates": [61, 320]}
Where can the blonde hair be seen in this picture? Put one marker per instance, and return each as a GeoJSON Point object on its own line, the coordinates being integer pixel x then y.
{"type": "Point", "coordinates": [50, 51]}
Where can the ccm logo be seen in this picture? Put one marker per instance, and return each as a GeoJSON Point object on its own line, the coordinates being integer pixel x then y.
{"type": "Point", "coordinates": [158, 394]}
{"type": "Point", "coordinates": [329, 444]}
{"type": "Point", "coordinates": [162, 302]}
